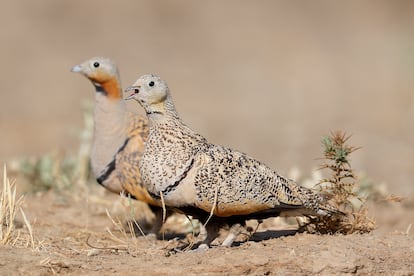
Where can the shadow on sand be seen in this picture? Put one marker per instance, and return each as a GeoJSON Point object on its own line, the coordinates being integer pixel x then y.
{"type": "Point", "coordinates": [271, 234]}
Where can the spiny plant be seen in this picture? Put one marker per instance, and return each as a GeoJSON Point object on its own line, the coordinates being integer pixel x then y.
{"type": "Point", "coordinates": [342, 181]}
{"type": "Point", "coordinates": [340, 188]}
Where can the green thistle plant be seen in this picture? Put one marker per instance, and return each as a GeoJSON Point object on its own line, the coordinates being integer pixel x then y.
{"type": "Point", "coordinates": [341, 184]}
{"type": "Point", "coordinates": [339, 188]}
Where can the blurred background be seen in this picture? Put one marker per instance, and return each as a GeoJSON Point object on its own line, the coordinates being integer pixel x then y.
{"type": "Point", "coordinates": [270, 78]}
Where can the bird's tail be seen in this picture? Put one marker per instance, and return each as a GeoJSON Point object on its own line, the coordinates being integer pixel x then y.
{"type": "Point", "coordinates": [318, 204]}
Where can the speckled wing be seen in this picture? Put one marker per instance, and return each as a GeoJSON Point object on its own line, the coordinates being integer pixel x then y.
{"type": "Point", "coordinates": [168, 156]}
{"type": "Point", "coordinates": [242, 184]}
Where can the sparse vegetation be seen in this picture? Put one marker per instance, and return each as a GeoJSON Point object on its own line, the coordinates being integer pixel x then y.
{"type": "Point", "coordinates": [59, 170]}
{"type": "Point", "coordinates": [341, 187]}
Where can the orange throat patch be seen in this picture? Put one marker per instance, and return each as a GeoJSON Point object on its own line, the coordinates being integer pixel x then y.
{"type": "Point", "coordinates": [112, 88]}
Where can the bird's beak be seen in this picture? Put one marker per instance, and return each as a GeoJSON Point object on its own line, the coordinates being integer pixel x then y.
{"type": "Point", "coordinates": [76, 69]}
{"type": "Point", "coordinates": [134, 90]}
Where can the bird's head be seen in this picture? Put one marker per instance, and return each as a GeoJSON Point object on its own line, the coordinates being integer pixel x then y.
{"type": "Point", "coordinates": [103, 73]}
{"type": "Point", "coordinates": [150, 91]}
{"type": "Point", "coordinates": [97, 69]}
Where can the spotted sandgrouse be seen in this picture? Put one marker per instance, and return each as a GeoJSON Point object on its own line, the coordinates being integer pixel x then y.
{"type": "Point", "coordinates": [203, 179]}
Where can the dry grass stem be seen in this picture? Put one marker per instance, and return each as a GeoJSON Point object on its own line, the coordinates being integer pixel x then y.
{"type": "Point", "coordinates": [9, 205]}
{"type": "Point", "coordinates": [8, 208]}
{"type": "Point", "coordinates": [29, 228]}
{"type": "Point", "coordinates": [214, 206]}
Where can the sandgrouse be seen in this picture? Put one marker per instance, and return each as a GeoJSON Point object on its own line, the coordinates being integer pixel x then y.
{"type": "Point", "coordinates": [202, 179]}
{"type": "Point", "coordinates": [119, 135]}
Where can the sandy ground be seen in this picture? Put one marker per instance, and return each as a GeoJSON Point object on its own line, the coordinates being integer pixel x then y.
{"type": "Point", "coordinates": [69, 230]}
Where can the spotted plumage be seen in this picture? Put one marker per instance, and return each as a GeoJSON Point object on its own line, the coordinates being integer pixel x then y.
{"type": "Point", "coordinates": [119, 135]}
{"type": "Point", "coordinates": [200, 178]}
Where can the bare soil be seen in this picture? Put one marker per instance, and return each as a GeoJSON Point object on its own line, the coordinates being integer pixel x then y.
{"type": "Point", "coordinates": [73, 237]}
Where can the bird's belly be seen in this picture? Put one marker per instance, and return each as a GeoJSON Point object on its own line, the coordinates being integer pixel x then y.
{"type": "Point", "coordinates": [183, 195]}
{"type": "Point", "coordinates": [140, 193]}
{"type": "Point", "coordinates": [233, 209]}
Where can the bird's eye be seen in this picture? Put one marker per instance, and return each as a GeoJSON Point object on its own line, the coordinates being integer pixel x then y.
{"type": "Point", "coordinates": [151, 83]}
{"type": "Point", "coordinates": [96, 64]}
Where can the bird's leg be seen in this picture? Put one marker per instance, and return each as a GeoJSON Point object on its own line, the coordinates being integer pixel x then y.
{"type": "Point", "coordinates": [158, 221]}
{"type": "Point", "coordinates": [234, 231]}
{"type": "Point", "coordinates": [208, 233]}
{"type": "Point", "coordinates": [202, 236]}
{"type": "Point", "coordinates": [212, 230]}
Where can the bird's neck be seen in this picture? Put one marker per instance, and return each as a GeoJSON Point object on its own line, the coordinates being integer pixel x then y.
{"type": "Point", "coordinates": [110, 117]}
{"type": "Point", "coordinates": [162, 111]}
{"type": "Point", "coordinates": [111, 88]}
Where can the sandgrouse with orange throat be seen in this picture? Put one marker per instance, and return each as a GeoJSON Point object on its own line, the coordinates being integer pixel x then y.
{"type": "Point", "coordinates": [119, 135]}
